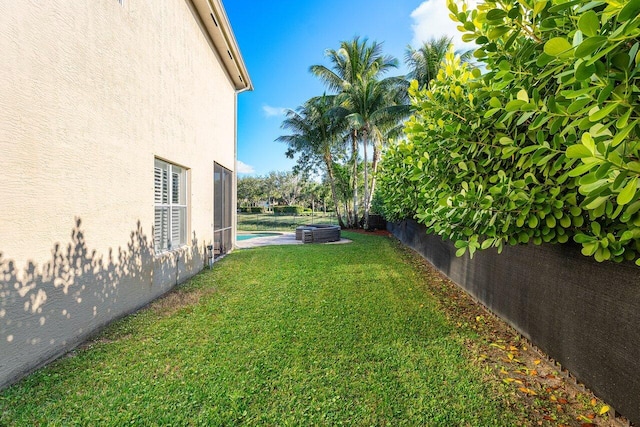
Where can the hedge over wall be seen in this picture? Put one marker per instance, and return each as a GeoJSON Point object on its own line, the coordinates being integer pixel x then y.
{"type": "Point", "coordinates": [543, 146]}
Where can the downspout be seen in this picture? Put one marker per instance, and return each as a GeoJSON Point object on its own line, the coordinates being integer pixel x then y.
{"type": "Point", "coordinates": [234, 191]}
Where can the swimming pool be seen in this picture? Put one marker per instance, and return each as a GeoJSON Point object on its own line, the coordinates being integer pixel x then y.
{"type": "Point", "coordinates": [248, 236]}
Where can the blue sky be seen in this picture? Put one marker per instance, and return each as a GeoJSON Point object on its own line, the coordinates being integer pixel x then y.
{"type": "Point", "coordinates": [279, 41]}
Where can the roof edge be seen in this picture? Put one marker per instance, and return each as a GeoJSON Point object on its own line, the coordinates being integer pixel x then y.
{"type": "Point", "coordinates": [218, 27]}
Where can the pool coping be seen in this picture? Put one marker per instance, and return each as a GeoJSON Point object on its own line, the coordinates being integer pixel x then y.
{"type": "Point", "coordinates": [285, 238]}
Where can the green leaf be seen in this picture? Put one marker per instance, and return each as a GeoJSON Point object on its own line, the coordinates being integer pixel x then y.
{"type": "Point", "coordinates": [461, 244]}
{"type": "Point", "coordinates": [543, 59]}
{"type": "Point", "coordinates": [620, 136]}
{"type": "Point", "coordinates": [514, 105]}
{"type": "Point", "coordinates": [587, 141]}
{"type": "Point", "coordinates": [589, 248]}
{"type": "Point", "coordinates": [589, 23]}
{"type": "Point", "coordinates": [571, 94]}
{"type": "Point", "coordinates": [491, 112]}
{"type": "Point", "coordinates": [632, 209]}
{"type": "Point", "coordinates": [551, 221]}
{"type": "Point", "coordinates": [624, 119]}
{"type": "Point", "coordinates": [496, 32]}
{"type": "Point", "coordinates": [495, 14]}
{"type": "Point", "coordinates": [583, 238]}
{"type": "Point", "coordinates": [539, 7]}
{"type": "Point", "coordinates": [578, 104]}
{"type": "Point", "coordinates": [557, 46]}
{"type": "Point", "coordinates": [628, 192]}
{"type": "Point", "coordinates": [597, 202]}
{"type": "Point", "coordinates": [596, 115]}
{"type": "Point", "coordinates": [562, 6]}
{"type": "Point", "coordinates": [487, 243]}
{"type": "Point", "coordinates": [585, 71]}
{"type": "Point", "coordinates": [632, 9]}
{"type": "Point", "coordinates": [604, 93]}
{"type": "Point", "coordinates": [522, 95]}
{"type": "Point", "coordinates": [578, 151]}
{"type": "Point", "coordinates": [590, 45]}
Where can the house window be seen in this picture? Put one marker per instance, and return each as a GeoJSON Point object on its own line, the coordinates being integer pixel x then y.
{"type": "Point", "coordinates": [170, 219]}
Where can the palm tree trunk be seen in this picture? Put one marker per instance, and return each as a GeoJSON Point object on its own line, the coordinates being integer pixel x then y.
{"type": "Point", "coordinates": [374, 171]}
{"type": "Point", "coordinates": [329, 162]}
{"type": "Point", "coordinates": [365, 142]}
{"type": "Point", "coordinates": [354, 151]}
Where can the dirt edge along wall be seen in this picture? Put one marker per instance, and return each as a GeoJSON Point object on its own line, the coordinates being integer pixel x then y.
{"type": "Point", "coordinates": [584, 314]}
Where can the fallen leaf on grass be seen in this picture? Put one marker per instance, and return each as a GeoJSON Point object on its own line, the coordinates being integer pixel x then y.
{"type": "Point", "coordinates": [537, 362]}
{"type": "Point", "coordinates": [512, 380]}
{"type": "Point", "coordinates": [528, 391]}
{"type": "Point", "coordinates": [563, 401]}
{"type": "Point", "coordinates": [604, 409]}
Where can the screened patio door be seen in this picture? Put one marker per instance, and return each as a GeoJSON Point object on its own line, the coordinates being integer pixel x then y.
{"type": "Point", "coordinates": [222, 210]}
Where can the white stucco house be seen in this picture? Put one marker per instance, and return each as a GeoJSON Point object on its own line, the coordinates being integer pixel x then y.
{"type": "Point", "coordinates": [118, 152]}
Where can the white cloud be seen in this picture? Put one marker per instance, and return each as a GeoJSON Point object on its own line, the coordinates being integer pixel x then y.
{"type": "Point", "coordinates": [270, 111]}
{"type": "Point", "coordinates": [431, 20]}
{"type": "Point", "coordinates": [244, 168]}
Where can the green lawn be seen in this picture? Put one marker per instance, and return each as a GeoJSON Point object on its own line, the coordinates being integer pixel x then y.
{"type": "Point", "coordinates": [290, 335]}
{"type": "Point", "coordinates": [281, 222]}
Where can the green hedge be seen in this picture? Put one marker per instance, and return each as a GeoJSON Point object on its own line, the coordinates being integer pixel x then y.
{"type": "Point", "coordinates": [251, 209]}
{"type": "Point", "coordinates": [297, 210]}
{"type": "Point", "coordinates": [541, 147]}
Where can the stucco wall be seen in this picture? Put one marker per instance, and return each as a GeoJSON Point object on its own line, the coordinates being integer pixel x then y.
{"type": "Point", "coordinates": [91, 93]}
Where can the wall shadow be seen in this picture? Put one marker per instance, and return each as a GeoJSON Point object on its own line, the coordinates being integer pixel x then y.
{"type": "Point", "coordinates": [47, 309]}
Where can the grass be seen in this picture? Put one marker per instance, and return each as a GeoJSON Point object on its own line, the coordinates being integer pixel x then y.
{"type": "Point", "coordinates": [281, 222]}
{"type": "Point", "coordinates": [289, 335]}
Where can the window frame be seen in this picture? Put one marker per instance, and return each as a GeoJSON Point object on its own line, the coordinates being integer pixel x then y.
{"type": "Point", "coordinates": [171, 206]}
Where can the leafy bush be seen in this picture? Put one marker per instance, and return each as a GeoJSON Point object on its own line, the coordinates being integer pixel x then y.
{"type": "Point", "coordinates": [296, 210]}
{"type": "Point", "coordinates": [251, 209]}
{"type": "Point", "coordinates": [542, 147]}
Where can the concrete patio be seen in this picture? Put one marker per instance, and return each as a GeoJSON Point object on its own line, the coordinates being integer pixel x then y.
{"type": "Point", "coordinates": [285, 238]}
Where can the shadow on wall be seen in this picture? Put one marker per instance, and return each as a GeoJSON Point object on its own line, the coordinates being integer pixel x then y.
{"type": "Point", "coordinates": [48, 309]}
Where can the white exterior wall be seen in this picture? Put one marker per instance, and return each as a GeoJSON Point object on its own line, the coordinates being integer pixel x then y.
{"type": "Point", "coordinates": [90, 93]}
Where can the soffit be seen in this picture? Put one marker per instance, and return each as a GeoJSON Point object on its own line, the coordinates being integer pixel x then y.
{"type": "Point", "coordinates": [217, 24]}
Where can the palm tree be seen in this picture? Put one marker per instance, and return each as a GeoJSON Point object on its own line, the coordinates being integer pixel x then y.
{"type": "Point", "coordinates": [424, 62]}
{"type": "Point", "coordinates": [375, 110]}
{"type": "Point", "coordinates": [356, 72]}
{"type": "Point", "coordinates": [316, 130]}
